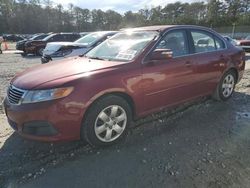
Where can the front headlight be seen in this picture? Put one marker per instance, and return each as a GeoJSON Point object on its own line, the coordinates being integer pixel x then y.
{"type": "Point", "coordinates": [238, 43]}
{"type": "Point", "coordinates": [46, 95]}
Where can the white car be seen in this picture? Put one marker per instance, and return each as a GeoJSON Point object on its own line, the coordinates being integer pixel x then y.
{"type": "Point", "coordinates": [60, 50]}
{"type": "Point", "coordinates": [232, 41]}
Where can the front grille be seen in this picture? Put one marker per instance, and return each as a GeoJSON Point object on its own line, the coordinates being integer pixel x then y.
{"type": "Point", "coordinates": [15, 95]}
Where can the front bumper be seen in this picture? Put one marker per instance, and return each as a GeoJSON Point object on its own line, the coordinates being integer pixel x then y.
{"type": "Point", "coordinates": [47, 121]}
{"type": "Point", "coordinates": [45, 59]}
{"type": "Point", "coordinates": [20, 47]}
{"type": "Point", "coordinates": [244, 47]}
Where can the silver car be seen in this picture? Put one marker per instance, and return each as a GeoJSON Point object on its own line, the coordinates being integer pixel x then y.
{"type": "Point", "coordinates": [60, 50]}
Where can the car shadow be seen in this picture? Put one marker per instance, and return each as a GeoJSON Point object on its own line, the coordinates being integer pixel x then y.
{"type": "Point", "coordinates": [31, 56]}
{"type": "Point", "coordinates": [25, 156]}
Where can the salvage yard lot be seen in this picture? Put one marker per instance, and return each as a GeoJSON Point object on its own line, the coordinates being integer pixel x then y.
{"type": "Point", "coordinates": [204, 144]}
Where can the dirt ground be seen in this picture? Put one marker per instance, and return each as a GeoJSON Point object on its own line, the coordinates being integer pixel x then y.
{"type": "Point", "coordinates": [203, 144]}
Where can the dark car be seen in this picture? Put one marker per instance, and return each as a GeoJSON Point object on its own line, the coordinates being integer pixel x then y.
{"type": "Point", "coordinates": [244, 43]}
{"type": "Point", "coordinates": [21, 44]}
{"type": "Point", "coordinates": [132, 74]}
{"type": "Point", "coordinates": [60, 50]}
{"type": "Point", "coordinates": [13, 38]}
{"type": "Point", "coordinates": [37, 47]}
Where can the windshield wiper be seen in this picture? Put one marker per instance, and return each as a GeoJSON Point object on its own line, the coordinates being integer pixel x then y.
{"type": "Point", "coordinates": [97, 58]}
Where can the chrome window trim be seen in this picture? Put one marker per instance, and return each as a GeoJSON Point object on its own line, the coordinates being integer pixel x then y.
{"type": "Point", "coordinates": [186, 29]}
{"type": "Point", "coordinates": [213, 34]}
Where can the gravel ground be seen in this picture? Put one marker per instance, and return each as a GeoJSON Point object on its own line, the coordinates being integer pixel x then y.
{"type": "Point", "coordinates": [203, 144]}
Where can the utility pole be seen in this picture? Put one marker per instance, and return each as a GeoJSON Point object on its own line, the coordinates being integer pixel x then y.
{"type": "Point", "coordinates": [233, 31]}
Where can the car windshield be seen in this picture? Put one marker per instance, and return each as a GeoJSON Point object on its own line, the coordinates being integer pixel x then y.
{"type": "Point", "coordinates": [123, 46]}
{"type": "Point", "coordinates": [34, 37]}
{"type": "Point", "coordinates": [90, 38]}
{"type": "Point", "coordinates": [248, 37]}
{"type": "Point", "coordinates": [48, 37]}
{"type": "Point", "coordinates": [40, 37]}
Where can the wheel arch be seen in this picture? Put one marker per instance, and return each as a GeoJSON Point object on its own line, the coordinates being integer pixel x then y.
{"type": "Point", "coordinates": [121, 94]}
{"type": "Point", "coordinates": [234, 70]}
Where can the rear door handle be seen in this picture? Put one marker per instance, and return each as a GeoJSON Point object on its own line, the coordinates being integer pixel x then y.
{"type": "Point", "coordinates": [222, 57]}
{"type": "Point", "coordinates": [188, 64]}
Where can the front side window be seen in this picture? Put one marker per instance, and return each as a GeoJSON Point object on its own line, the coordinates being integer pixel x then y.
{"type": "Point", "coordinates": [39, 37]}
{"type": "Point", "coordinates": [53, 38]}
{"type": "Point", "coordinates": [123, 46]}
{"type": "Point", "coordinates": [176, 42]}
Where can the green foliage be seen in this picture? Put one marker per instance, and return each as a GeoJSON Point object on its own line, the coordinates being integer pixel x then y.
{"type": "Point", "coordinates": [32, 16]}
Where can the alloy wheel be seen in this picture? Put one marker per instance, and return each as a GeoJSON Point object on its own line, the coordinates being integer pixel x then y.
{"type": "Point", "coordinates": [110, 123]}
{"type": "Point", "coordinates": [228, 85]}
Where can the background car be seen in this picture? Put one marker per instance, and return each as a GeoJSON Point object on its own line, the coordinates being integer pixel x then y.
{"type": "Point", "coordinates": [12, 38]}
{"type": "Point", "coordinates": [244, 43]}
{"type": "Point", "coordinates": [37, 46]}
{"type": "Point", "coordinates": [20, 45]}
{"type": "Point", "coordinates": [59, 50]}
{"type": "Point", "coordinates": [84, 33]}
{"type": "Point", "coordinates": [232, 41]}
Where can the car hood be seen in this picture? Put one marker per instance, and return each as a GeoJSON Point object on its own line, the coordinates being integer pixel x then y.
{"type": "Point", "coordinates": [52, 47]}
{"type": "Point", "coordinates": [244, 41]}
{"type": "Point", "coordinates": [34, 77]}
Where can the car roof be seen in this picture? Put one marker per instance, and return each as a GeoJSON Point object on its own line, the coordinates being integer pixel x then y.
{"type": "Point", "coordinates": [104, 32]}
{"type": "Point", "coordinates": [162, 28]}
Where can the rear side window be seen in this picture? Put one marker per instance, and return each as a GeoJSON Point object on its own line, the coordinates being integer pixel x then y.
{"type": "Point", "coordinates": [175, 41]}
{"type": "Point", "coordinates": [206, 42]}
{"type": "Point", "coordinates": [56, 38]}
{"type": "Point", "coordinates": [71, 37]}
{"type": "Point", "coordinates": [75, 37]}
{"type": "Point", "coordinates": [40, 37]}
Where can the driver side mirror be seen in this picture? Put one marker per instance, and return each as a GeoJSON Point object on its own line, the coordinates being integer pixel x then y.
{"type": "Point", "coordinates": [161, 54]}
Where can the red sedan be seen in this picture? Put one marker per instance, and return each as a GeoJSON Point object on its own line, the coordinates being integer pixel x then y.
{"type": "Point", "coordinates": [134, 73]}
{"type": "Point", "coordinates": [244, 43]}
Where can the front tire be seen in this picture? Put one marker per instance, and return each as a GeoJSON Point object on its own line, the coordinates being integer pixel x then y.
{"type": "Point", "coordinates": [40, 51]}
{"type": "Point", "coordinates": [226, 87]}
{"type": "Point", "coordinates": [107, 121]}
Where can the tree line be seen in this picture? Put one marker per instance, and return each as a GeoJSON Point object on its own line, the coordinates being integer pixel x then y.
{"type": "Point", "coordinates": [35, 16]}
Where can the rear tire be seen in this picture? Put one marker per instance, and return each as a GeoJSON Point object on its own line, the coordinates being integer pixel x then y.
{"type": "Point", "coordinates": [225, 88]}
{"type": "Point", "coordinates": [23, 54]}
{"type": "Point", "coordinates": [107, 121]}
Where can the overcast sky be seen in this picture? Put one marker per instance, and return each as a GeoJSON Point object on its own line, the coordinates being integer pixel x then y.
{"type": "Point", "coordinates": [118, 5]}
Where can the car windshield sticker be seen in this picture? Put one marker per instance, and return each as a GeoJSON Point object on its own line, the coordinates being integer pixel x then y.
{"type": "Point", "coordinates": [126, 55]}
